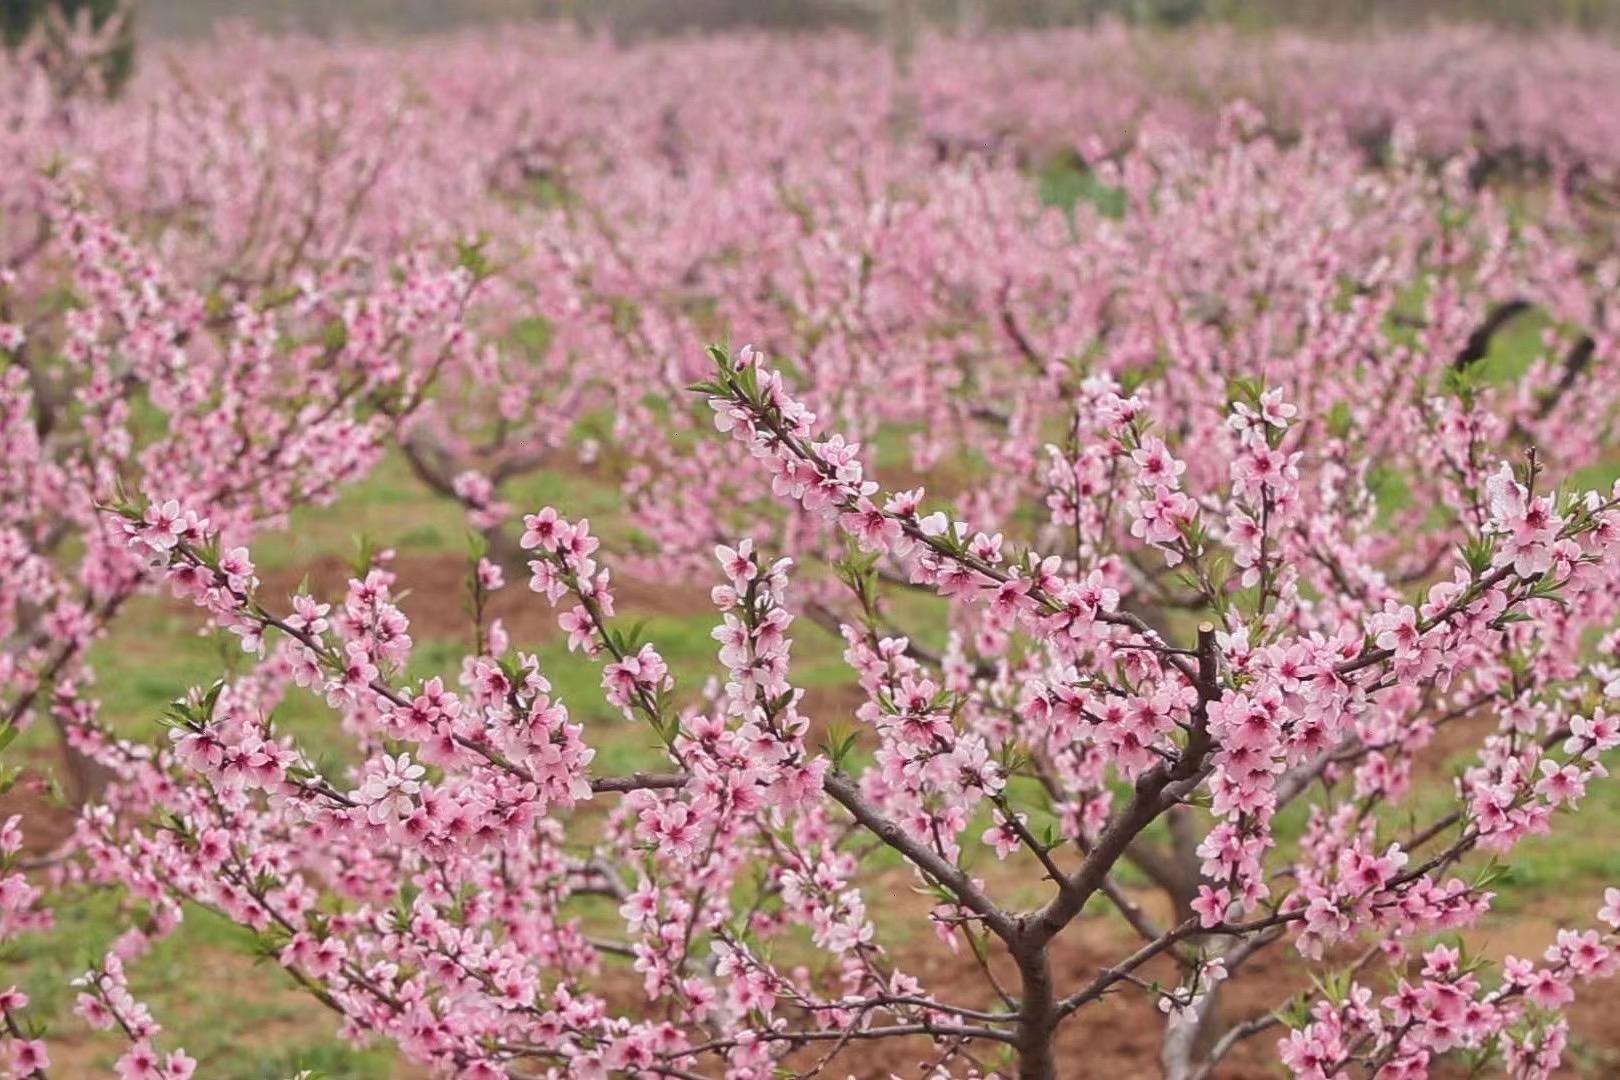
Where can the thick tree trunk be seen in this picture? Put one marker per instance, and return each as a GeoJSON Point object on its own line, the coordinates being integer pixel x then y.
{"type": "Point", "coordinates": [87, 777]}
{"type": "Point", "coordinates": [1038, 1013]}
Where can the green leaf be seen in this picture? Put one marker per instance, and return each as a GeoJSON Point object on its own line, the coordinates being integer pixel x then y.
{"type": "Point", "coordinates": [1339, 421]}
{"type": "Point", "coordinates": [839, 743]}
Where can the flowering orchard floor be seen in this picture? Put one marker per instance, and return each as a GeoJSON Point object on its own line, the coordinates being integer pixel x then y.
{"type": "Point", "coordinates": [244, 1021]}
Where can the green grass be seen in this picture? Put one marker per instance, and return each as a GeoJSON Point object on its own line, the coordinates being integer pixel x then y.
{"type": "Point", "coordinates": [390, 506]}
{"type": "Point", "coordinates": [1065, 182]}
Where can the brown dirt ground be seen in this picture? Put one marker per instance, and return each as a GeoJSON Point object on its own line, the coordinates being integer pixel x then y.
{"type": "Point", "coordinates": [46, 819]}
{"type": "Point", "coordinates": [433, 595]}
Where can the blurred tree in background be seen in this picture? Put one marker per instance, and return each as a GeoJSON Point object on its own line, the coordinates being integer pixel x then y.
{"type": "Point", "coordinates": [635, 18]}
{"type": "Point", "coordinates": [897, 20]}
{"type": "Point", "coordinates": [21, 20]}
